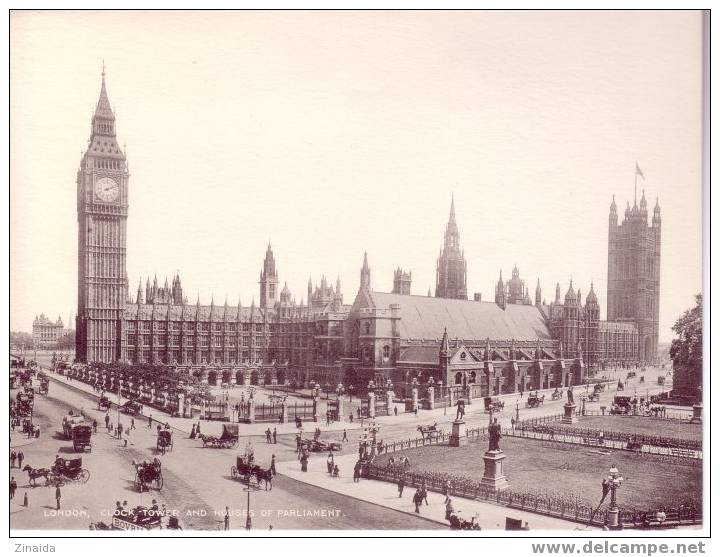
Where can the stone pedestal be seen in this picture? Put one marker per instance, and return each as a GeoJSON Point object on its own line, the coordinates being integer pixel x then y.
{"type": "Point", "coordinates": [431, 398]}
{"type": "Point", "coordinates": [494, 475]}
{"type": "Point", "coordinates": [613, 519]}
{"type": "Point", "coordinates": [697, 413]}
{"type": "Point", "coordinates": [371, 405]}
{"type": "Point", "coordinates": [251, 411]}
{"type": "Point", "coordinates": [415, 399]}
{"type": "Point", "coordinates": [458, 437]}
{"type": "Point", "coordinates": [569, 417]}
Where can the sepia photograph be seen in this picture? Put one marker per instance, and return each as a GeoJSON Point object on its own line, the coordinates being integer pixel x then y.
{"type": "Point", "coordinates": [319, 272]}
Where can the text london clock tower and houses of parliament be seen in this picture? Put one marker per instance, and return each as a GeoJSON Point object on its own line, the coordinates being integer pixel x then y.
{"type": "Point", "coordinates": [515, 344]}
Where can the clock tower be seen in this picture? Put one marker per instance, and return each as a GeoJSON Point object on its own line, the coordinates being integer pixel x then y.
{"type": "Point", "coordinates": [102, 208]}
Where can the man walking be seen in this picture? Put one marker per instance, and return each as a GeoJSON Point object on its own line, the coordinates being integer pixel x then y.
{"type": "Point", "coordinates": [13, 458]}
{"type": "Point", "coordinates": [107, 421]}
{"type": "Point", "coordinates": [344, 437]}
{"type": "Point", "coordinates": [227, 518]}
{"type": "Point", "coordinates": [268, 434]}
{"type": "Point", "coordinates": [13, 487]}
{"type": "Point", "coordinates": [20, 458]}
{"type": "Point", "coordinates": [57, 497]}
{"type": "Point", "coordinates": [273, 470]}
{"type": "Point", "coordinates": [401, 485]}
{"type": "Point", "coordinates": [132, 423]}
{"type": "Point", "coordinates": [274, 436]}
{"type": "Point", "coordinates": [417, 499]}
{"type": "Point", "coordinates": [150, 421]}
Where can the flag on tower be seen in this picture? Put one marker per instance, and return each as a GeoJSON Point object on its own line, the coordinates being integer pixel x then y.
{"type": "Point", "coordinates": [638, 172]}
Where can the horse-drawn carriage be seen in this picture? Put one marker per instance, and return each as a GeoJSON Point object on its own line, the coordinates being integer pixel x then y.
{"type": "Point", "coordinates": [148, 474]}
{"type": "Point", "coordinates": [44, 387]}
{"type": "Point", "coordinates": [621, 405]}
{"type": "Point", "coordinates": [245, 471]}
{"type": "Point", "coordinates": [229, 438]}
{"type": "Point", "coordinates": [593, 397]}
{"type": "Point", "coordinates": [62, 471]}
{"type": "Point", "coordinates": [81, 437]}
{"type": "Point", "coordinates": [69, 422]}
{"type": "Point", "coordinates": [534, 400]}
{"type": "Point", "coordinates": [428, 430]}
{"type": "Point", "coordinates": [556, 394]}
{"type": "Point", "coordinates": [317, 446]}
{"type": "Point", "coordinates": [131, 407]}
{"type": "Point", "coordinates": [164, 441]}
{"type": "Point", "coordinates": [599, 387]}
{"type": "Point", "coordinates": [104, 403]}
{"type": "Point", "coordinates": [493, 404]}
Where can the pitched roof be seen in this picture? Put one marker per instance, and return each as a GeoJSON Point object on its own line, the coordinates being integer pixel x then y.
{"type": "Point", "coordinates": [426, 317]}
{"type": "Point", "coordinates": [419, 354]}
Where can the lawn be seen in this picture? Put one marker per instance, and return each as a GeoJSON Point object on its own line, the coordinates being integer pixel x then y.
{"type": "Point", "coordinates": [569, 469]}
{"type": "Point", "coordinates": [640, 425]}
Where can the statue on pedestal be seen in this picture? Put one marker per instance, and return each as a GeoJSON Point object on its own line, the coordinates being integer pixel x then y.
{"type": "Point", "coordinates": [570, 397]}
{"type": "Point", "coordinates": [494, 432]}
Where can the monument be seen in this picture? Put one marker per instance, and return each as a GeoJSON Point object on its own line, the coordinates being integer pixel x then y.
{"type": "Point", "coordinates": [570, 417]}
{"type": "Point", "coordinates": [458, 436]}
{"type": "Point", "coordinates": [494, 476]}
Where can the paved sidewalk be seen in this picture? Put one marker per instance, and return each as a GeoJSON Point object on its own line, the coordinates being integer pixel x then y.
{"type": "Point", "coordinates": [489, 516]}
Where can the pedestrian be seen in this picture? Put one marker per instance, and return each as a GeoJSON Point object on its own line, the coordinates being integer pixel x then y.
{"type": "Point", "coordinates": [107, 420]}
{"type": "Point", "coordinates": [352, 417]}
{"type": "Point", "coordinates": [416, 410]}
{"type": "Point", "coordinates": [356, 472]}
{"type": "Point", "coordinates": [198, 429]}
{"type": "Point", "coordinates": [395, 409]}
{"type": "Point", "coordinates": [192, 432]}
{"type": "Point", "coordinates": [132, 423]}
{"type": "Point", "coordinates": [150, 421]}
{"type": "Point", "coordinates": [57, 497]}
{"type": "Point", "coordinates": [273, 470]}
{"type": "Point", "coordinates": [424, 492]}
{"type": "Point", "coordinates": [512, 423]}
{"type": "Point", "coordinates": [449, 510]}
{"type": "Point", "coordinates": [120, 431]}
{"type": "Point", "coordinates": [446, 490]}
{"type": "Point", "coordinates": [20, 457]}
{"type": "Point", "coordinates": [274, 436]}
{"type": "Point", "coordinates": [127, 437]}
{"type": "Point", "coordinates": [330, 463]}
{"type": "Point", "coordinates": [298, 441]}
{"type": "Point", "coordinates": [227, 518]}
{"type": "Point", "coordinates": [94, 426]}
{"type": "Point", "coordinates": [417, 499]}
{"type": "Point", "coordinates": [303, 462]}
{"type": "Point", "coordinates": [13, 487]}
{"type": "Point", "coordinates": [401, 485]}
{"type": "Point", "coordinates": [344, 437]}
{"type": "Point", "coordinates": [268, 434]}
{"type": "Point", "coordinates": [13, 458]}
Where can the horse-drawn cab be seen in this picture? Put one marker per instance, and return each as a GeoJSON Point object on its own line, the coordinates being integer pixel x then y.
{"type": "Point", "coordinates": [229, 438]}
{"type": "Point", "coordinates": [131, 407]}
{"type": "Point", "coordinates": [148, 474]}
{"type": "Point", "coordinates": [621, 405]}
{"type": "Point", "coordinates": [69, 422]}
{"type": "Point", "coordinates": [493, 404]}
{"type": "Point", "coordinates": [164, 441]}
{"type": "Point", "coordinates": [534, 401]}
{"type": "Point", "coordinates": [44, 386]}
{"type": "Point", "coordinates": [317, 446]}
{"type": "Point", "coordinates": [428, 430]}
{"type": "Point", "coordinates": [81, 436]}
{"type": "Point", "coordinates": [104, 403]}
{"type": "Point", "coordinates": [556, 394]}
{"type": "Point", "coordinates": [68, 469]}
{"type": "Point", "coordinates": [245, 471]}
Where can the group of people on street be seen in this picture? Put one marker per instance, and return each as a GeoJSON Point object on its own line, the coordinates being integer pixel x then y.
{"type": "Point", "coordinates": [16, 456]}
{"type": "Point", "coordinates": [271, 436]}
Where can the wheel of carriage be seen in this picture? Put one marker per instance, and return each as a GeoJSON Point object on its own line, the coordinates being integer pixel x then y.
{"type": "Point", "coordinates": [233, 472]}
{"type": "Point", "coordinates": [84, 475]}
{"type": "Point", "coordinates": [235, 443]}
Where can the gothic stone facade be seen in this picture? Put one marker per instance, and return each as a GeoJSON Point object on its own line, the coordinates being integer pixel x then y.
{"type": "Point", "coordinates": [495, 347]}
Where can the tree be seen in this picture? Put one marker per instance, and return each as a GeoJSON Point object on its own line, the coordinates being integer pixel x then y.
{"type": "Point", "coordinates": [686, 350]}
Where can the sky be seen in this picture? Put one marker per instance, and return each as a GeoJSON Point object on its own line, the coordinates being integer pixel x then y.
{"type": "Point", "coordinates": [333, 133]}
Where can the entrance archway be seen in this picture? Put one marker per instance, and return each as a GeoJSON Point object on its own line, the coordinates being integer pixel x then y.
{"type": "Point", "coordinates": [254, 377]}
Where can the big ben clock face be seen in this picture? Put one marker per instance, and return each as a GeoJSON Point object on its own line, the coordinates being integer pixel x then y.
{"type": "Point", "coordinates": [107, 189]}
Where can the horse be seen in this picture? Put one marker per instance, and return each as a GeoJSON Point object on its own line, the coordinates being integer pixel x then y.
{"type": "Point", "coordinates": [265, 476]}
{"type": "Point", "coordinates": [35, 473]}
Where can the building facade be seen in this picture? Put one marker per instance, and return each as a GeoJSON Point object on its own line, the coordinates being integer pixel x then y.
{"type": "Point", "coordinates": [46, 333]}
{"type": "Point", "coordinates": [633, 292]}
{"type": "Point", "coordinates": [490, 347]}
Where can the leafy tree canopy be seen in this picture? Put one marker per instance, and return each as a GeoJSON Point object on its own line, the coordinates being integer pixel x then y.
{"type": "Point", "coordinates": [686, 349]}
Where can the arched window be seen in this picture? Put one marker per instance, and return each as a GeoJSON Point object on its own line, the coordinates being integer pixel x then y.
{"type": "Point", "coordinates": [458, 378]}
{"type": "Point", "coordinates": [386, 352]}
{"type": "Point", "coordinates": [473, 376]}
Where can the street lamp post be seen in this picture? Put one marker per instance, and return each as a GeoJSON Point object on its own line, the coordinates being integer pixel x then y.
{"type": "Point", "coordinates": [248, 519]}
{"type": "Point", "coordinates": [615, 480]}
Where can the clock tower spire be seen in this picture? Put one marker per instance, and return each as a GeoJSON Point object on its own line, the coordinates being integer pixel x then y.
{"type": "Point", "coordinates": [102, 208]}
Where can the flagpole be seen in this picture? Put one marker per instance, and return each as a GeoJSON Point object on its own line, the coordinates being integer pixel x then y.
{"type": "Point", "coordinates": [636, 173]}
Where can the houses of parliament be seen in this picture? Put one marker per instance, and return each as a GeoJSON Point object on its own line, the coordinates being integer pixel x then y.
{"type": "Point", "coordinates": [517, 341]}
